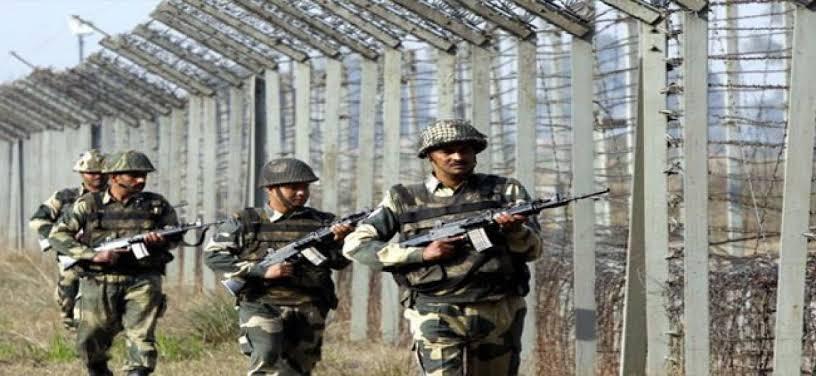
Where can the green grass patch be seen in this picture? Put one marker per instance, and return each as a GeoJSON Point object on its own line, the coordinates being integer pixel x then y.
{"type": "Point", "coordinates": [214, 321]}
{"type": "Point", "coordinates": [60, 349]}
{"type": "Point", "coordinates": [175, 348]}
{"type": "Point", "coordinates": [8, 352]}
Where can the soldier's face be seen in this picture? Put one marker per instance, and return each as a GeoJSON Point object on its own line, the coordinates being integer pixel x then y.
{"type": "Point", "coordinates": [132, 182]}
{"type": "Point", "coordinates": [453, 159]}
{"type": "Point", "coordinates": [290, 195]}
{"type": "Point", "coordinates": [93, 180]}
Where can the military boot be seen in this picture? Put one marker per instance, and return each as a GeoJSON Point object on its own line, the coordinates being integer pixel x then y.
{"type": "Point", "coordinates": [139, 372]}
{"type": "Point", "coordinates": [99, 370]}
{"type": "Point", "coordinates": [70, 324]}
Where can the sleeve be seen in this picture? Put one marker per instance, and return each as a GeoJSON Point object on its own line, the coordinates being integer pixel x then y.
{"type": "Point", "coordinates": [369, 245]}
{"type": "Point", "coordinates": [63, 235]}
{"type": "Point", "coordinates": [221, 253]}
{"type": "Point", "coordinates": [527, 241]}
{"type": "Point", "coordinates": [46, 216]}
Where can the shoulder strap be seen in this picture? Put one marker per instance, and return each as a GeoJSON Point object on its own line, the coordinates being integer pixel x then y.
{"type": "Point", "coordinates": [492, 187]}
{"type": "Point", "coordinates": [249, 217]}
{"type": "Point", "coordinates": [405, 196]}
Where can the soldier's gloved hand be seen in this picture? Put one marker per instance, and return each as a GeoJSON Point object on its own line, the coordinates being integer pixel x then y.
{"type": "Point", "coordinates": [440, 249]}
{"type": "Point", "coordinates": [340, 231]}
{"type": "Point", "coordinates": [107, 257]}
{"type": "Point", "coordinates": [281, 270]}
{"type": "Point", "coordinates": [154, 240]}
{"type": "Point", "coordinates": [510, 223]}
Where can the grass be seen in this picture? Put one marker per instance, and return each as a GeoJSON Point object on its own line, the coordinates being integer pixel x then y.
{"type": "Point", "coordinates": [197, 335]}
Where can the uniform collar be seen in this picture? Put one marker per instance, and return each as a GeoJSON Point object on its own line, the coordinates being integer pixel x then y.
{"type": "Point", "coordinates": [273, 214]}
{"type": "Point", "coordinates": [432, 184]}
{"type": "Point", "coordinates": [108, 198]}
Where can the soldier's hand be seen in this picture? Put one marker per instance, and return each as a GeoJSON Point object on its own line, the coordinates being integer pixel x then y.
{"type": "Point", "coordinates": [340, 231]}
{"type": "Point", "coordinates": [154, 239]}
{"type": "Point", "coordinates": [510, 223]}
{"type": "Point", "coordinates": [106, 257]}
{"type": "Point", "coordinates": [281, 270]}
{"type": "Point", "coordinates": [440, 249]}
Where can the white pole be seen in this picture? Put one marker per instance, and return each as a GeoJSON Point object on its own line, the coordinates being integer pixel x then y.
{"type": "Point", "coordinates": [796, 197]}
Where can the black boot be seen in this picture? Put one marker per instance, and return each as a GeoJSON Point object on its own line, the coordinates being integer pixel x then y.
{"type": "Point", "coordinates": [139, 372]}
{"type": "Point", "coordinates": [100, 370]}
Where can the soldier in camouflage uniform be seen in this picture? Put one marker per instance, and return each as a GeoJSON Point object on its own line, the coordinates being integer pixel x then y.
{"type": "Point", "coordinates": [283, 308]}
{"type": "Point", "coordinates": [118, 291]}
{"type": "Point", "coordinates": [89, 166]}
{"type": "Point", "coordinates": [465, 309]}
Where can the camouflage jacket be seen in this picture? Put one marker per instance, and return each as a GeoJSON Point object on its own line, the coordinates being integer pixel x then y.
{"type": "Point", "coordinates": [246, 238]}
{"type": "Point", "coordinates": [433, 201]}
{"type": "Point", "coordinates": [99, 217]}
{"type": "Point", "coordinates": [50, 210]}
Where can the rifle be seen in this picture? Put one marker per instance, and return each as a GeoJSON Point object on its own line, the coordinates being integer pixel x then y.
{"type": "Point", "coordinates": [473, 228]}
{"type": "Point", "coordinates": [135, 244]}
{"type": "Point", "coordinates": [303, 247]}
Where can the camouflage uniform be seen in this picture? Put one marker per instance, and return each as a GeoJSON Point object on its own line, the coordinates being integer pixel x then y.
{"type": "Point", "coordinates": [466, 313]}
{"type": "Point", "coordinates": [128, 294]}
{"type": "Point", "coordinates": [281, 320]}
{"type": "Point", "coordinates": [44, 219]}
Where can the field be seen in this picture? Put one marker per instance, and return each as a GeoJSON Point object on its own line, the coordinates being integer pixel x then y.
{"type": "Point", "coordinates": [197, 336]}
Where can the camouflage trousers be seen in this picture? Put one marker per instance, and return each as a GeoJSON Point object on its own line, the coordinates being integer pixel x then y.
{"type": "Point", "coordinates": [66, 295]}
{"type": "Point", "coordinates": [280, 339]}
{"type": "Point", "coordinates": [468, 339]}
{"type": "Point", "coordinates": [112, 303]}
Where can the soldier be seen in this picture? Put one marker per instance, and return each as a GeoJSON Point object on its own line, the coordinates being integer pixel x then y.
{"type": "Point", "coordinates": [465, 309]}
{"type": "Point", "coordinates": [282, 309]}
{"type": "Point", "coordinates": [118, 291]}
{"type": "Point", "coordinates": [89, 166]}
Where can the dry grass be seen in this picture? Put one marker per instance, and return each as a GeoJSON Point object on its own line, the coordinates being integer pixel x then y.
{"type": "Point", "coordinates": [32, 341]}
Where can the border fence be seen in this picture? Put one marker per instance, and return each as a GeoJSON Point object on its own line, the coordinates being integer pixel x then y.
{"type": "Point", "coordinates": [698, 115]}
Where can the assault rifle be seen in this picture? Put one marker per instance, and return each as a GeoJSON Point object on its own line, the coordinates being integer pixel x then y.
{"type": "Point", "coordinates": [473, 228]}
{"type": "Point", "coordinates": [301, 248]}
{"type": "Point", "coordinates": [135, 243]}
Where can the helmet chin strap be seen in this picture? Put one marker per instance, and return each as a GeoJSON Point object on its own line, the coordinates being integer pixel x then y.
{"type": "Point", "coordinates": [283, 200]}
{"type": "Point", "coordinates": [130, 188]}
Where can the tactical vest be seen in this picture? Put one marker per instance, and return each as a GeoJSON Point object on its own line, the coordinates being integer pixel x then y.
{"type": "Point", "coordinates": [260, 235]}
{"type": "Point", "coordinates": [105, 223]}
{"type": "Point", "coordinates": [469, 276]}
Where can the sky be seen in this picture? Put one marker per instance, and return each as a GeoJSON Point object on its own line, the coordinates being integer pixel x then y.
{"type": "Point", "coordinates": [38, 30]}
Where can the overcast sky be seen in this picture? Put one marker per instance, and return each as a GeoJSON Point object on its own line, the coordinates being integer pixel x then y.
{"type": "Point", "coordinates": [38, 29]}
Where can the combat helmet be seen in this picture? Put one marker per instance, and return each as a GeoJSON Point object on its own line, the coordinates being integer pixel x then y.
{"type": "Point", "coordinates": [90, 161]}
{"type": "Point", "coordinates": [444, 132]}
{"type": "Point", "coordinates": [128, 161]}
{"type": "Point", "coordinates": [286, 171]}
